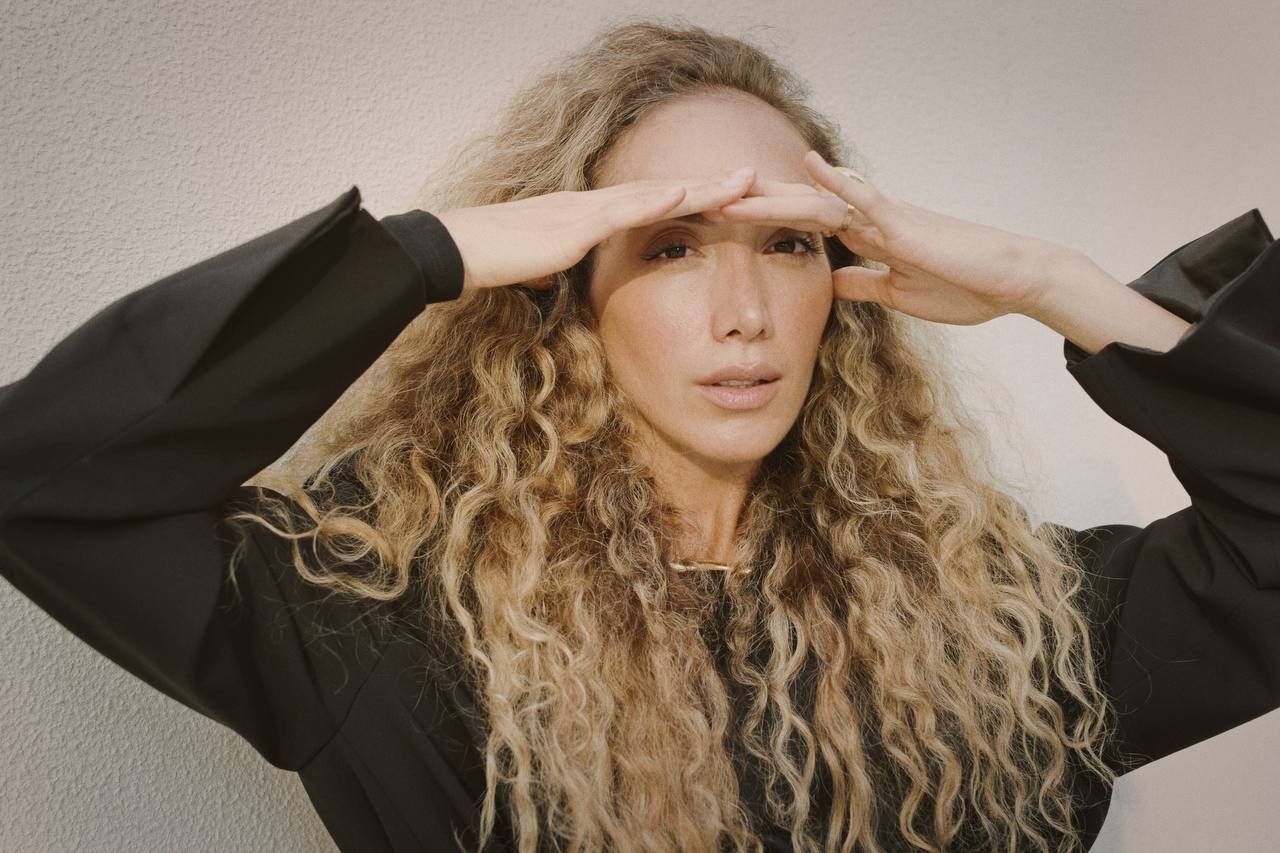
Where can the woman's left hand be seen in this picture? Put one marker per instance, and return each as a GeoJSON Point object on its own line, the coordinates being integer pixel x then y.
{"type": "Point", "coordinates": [940, 268]}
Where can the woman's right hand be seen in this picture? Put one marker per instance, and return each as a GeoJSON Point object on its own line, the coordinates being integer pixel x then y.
{"type": "Point", "coordinates": [529, 240]}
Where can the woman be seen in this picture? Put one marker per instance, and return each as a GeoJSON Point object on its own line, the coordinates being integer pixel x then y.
{"type": "Point", "coordinates": [552, 583]}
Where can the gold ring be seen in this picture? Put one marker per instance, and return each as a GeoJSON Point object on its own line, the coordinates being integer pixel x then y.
{"type": "Point", "coordinates": [844, 226]}
{"type": "Point", "coordinates": [849, 209]}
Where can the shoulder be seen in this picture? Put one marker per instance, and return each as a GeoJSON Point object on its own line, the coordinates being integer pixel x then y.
{"type": "Point", "coordinates": [405, 616]}
{"type": "Point", "coordinates": [1095, 550]}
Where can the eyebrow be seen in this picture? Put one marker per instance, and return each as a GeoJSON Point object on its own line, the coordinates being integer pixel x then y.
{"type": "Point", "coordinates": [692, 218]}
{"type": "Point", "coordinates": [695, 218]}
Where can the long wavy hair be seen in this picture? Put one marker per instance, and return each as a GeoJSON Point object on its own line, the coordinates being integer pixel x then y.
{"type": "Point", "coordinates": [907, 660]}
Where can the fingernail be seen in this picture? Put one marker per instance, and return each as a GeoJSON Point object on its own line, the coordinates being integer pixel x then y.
{"type": "Point", "coordinates": [737, 175]}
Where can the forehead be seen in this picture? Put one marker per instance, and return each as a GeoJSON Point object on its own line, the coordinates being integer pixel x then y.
{"type": "Point", "coordinates": [704, 135]}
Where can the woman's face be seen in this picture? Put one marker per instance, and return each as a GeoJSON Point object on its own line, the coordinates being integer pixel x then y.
{"type": "Point", "coordinates": [735, 295]}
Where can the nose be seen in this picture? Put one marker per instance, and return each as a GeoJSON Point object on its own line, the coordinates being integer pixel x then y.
{"type": "Point", "coordinates": [740, 296]}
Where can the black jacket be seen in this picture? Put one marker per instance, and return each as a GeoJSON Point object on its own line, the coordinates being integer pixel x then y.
{"type": "Point", "coordinates": [123, 448]}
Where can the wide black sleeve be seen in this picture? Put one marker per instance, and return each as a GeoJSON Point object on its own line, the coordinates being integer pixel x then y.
{"type": "Point", "coordinates": [1189, 605]}
{"type": "Point", "coordinates": [125, 446]}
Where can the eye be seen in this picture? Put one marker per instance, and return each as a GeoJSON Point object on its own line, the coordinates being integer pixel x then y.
{"type": "Point", "coordinates": [660, 252]}
{"type": "Point", "coordinates": [811, 247]}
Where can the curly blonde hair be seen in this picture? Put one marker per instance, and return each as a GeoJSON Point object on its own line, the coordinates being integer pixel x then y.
{"type": "Point", "coordinates": [907, 660]}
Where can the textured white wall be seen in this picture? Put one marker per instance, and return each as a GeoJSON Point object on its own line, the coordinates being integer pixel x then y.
{"type": "Point", "coordinates": [141, 137]}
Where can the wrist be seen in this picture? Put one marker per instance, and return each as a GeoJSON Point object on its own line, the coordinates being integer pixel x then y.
{"type": "Point", "coordinates": [1091, 308]}
{"type": "Point", "coordinates": [1064, 276]}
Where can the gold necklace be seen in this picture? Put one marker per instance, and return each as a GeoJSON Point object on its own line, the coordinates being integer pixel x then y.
{"type": "Point", "coordinates": [707, 565]}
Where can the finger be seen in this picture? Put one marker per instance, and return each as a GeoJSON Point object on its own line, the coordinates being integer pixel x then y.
{"type": "Point", "coordinates": [650, 204]}
{"type": "Point", "coordinates": [862, 236]}
{"type": "Point", "coordinates": [814, 211]}
{"type": "Point", "coordinates": [644, 202]}
{"type": "Point", "coordinates": [768, 186]}
{"type": "Point", "coordinates": [624, 206]}
{"type": "Point", "coordinates": [711, 194]}
{"type": "Point", "coordinates": [862, 284]}
{"type": "Point", "coordinates": [858, 193]}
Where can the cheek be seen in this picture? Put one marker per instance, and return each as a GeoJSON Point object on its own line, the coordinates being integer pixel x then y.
{"type": "Point", "coordinates": [651, 346]}
{"type": "Point", "coordinates": [803, 317]}
{"type": "Point", "coordinates": [643, 342]}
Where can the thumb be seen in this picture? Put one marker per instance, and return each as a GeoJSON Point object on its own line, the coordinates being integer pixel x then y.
{"type": "Point", "coordinates": [862, 284]}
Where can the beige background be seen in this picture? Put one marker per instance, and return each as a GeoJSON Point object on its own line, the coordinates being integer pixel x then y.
{"type": "Point", "coordinates": [140, 137]}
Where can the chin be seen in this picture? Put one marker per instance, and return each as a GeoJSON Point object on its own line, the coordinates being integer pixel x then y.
{"type": "Point", "coordinates": [741, 441]}
{"type": "Point", "coordinates": [735, 448]}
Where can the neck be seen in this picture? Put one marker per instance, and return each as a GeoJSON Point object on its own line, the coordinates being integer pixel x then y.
{"type": "Point", "coordinates": [708, 493]}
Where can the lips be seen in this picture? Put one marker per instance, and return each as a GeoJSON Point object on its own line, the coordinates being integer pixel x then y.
{"type": "Point", "coordinates": [740, 398]}
{"type": "Point", "coordinates": [757, 371]}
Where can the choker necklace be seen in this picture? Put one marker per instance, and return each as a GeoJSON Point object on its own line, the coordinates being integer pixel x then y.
{"type": "Point", "coordinates": [707, 565]}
